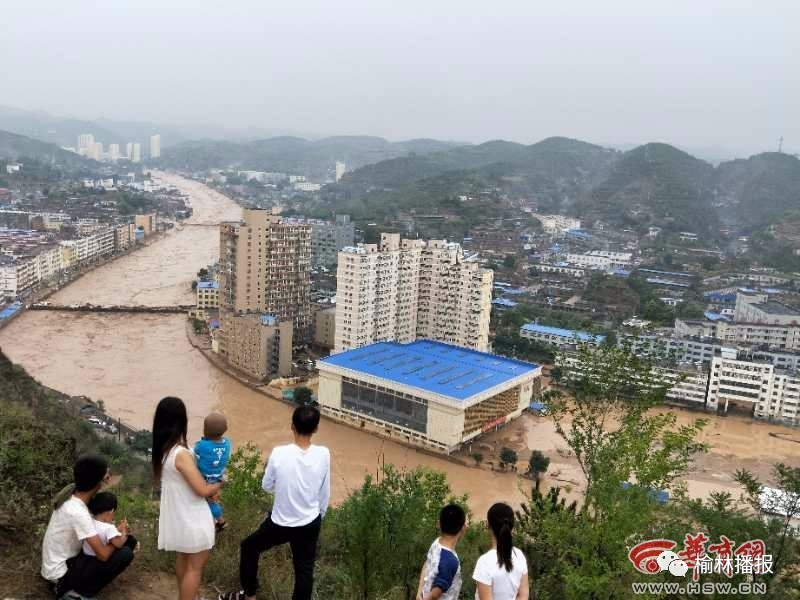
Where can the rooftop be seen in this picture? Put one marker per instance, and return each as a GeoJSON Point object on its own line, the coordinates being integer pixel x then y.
{"type": "Point", "coordinates": [207, 285]}
{"type": "Point", "coordinates": [434, 367]}
{"type": "Point", "coordinates": [776, 308]}
{"type": "Point", "coordinates": [582, 336]}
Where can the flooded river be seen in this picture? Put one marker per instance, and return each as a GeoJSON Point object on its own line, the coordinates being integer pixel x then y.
{"type": "Point", "coordinates": [131, 361]}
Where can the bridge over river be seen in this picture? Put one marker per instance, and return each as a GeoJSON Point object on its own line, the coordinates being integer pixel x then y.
{"type": "Point", "coordinates": [113, 308]}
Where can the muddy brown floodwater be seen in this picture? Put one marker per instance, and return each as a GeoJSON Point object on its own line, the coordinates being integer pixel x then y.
{"type": "Point", "coordinates": [131, 361]}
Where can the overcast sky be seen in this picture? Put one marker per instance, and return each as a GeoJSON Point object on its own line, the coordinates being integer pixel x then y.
{"type": "Point", "coordinates": [698, 73]}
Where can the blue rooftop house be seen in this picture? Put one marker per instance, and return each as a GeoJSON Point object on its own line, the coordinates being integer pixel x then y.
{"type": "Point", "coordinates": [425, 393]}
{"type": "Point", "coordinates": [504, 303]}
{"type": "Point", "coordinates": [563, 338]}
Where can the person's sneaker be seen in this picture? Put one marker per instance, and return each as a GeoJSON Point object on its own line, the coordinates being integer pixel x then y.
{"type": "Point", "coordinates": [73, 595]}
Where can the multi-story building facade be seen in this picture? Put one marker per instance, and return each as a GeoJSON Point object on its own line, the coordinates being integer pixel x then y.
{"type": "Point", "coordinates": [155, 146]}
{"type": "Point", "coordinates": [327, 238]}
{"type": "Point", "coordinates": [781, 338]}
{"type": "Point", "coordinates": [754, 307]}
{"type": "Point", "coordinates": [561, 338]}
{"type": "Point", "coordinates": [136, 152]}
{"type": "Point", "coordinates": [147, 222]}
{"type": "Point", "coordinates": [207, 295]}
{"type": "Point", "coordinates": [426, 393]}
{"type": "Point", "coordinates": [265, 268]}
{"type": "Point", "coordinates": [258, 345]}
{"type": "Point", "coordinates": [124, 237]}
{"type": "Point", "coordinates": [600, 259]}
{"type": "Point", "coordinates": [401, 290]}
{"type": "Point", "coordinates": [325, 328]}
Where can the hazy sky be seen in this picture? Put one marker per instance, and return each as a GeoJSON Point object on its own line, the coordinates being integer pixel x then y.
{"type": "Point", "coordinates": [697, 72]}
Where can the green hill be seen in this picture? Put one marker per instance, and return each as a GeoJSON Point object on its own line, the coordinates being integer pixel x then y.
{"type": "Point", "coordinates": [18, 147]}
{"type": "Point", "coordinates": [292, 154]}
{"type": "Point", "coordinates": [655, 184]}
{"type": "Point", "coordinates": [761, 190]}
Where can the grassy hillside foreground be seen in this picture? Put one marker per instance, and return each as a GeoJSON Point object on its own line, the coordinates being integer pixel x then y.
{"type": "Point", "coordinates": [372, 545]}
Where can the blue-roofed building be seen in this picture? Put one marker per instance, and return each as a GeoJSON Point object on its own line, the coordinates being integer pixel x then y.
{"type": "Point", "coordinates": [563, 338]}
{"type": "Point", "coordinates": [425, 393]}
{"type": "Point", "coordinates": [504, 303]}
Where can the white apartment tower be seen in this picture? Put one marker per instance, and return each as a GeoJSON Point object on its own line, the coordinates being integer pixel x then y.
{"type": "Point", "coordinates": [129, 150]}
{"type": "Point", "coordinates": [341, 168]}
{"type": "Point", "coordinates": [113, 152]}
{"type": "Point", "coordinates": [136, 156]}
{"type": "Point", "coordinates": [85, 142]}
{"type": "Point", "coordinates": [402, 290]}
{"type": "Point", "coordinates": [155, 146]}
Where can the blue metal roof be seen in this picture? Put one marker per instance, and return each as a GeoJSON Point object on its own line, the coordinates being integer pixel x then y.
{"type": "Point", "coordinates": [714, 316]}
{"type": "Point", "coordinates": [504, 302]}
{"type": "Point", "coordinates": [458, 373]}
{"type": "Point", "coordinates": [583, 336]}
{"type": "Point", "coordinates": [207, 285]}
{"type": "Point", "coordinates": [9, 311]}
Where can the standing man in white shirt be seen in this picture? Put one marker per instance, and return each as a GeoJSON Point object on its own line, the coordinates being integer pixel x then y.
{"type": "Point", "coordinates": [75, 575]}
{"type": "Point", "coordinates": [299, 474]}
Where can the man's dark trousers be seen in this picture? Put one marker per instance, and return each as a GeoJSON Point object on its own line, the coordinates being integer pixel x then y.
{"type": "Point", "coordinates": [303, 542]}
{"type": "Point", "coordinates": [87, 575]}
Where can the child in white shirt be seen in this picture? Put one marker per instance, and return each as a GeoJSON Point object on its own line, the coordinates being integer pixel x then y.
{"type": "Point", "coordinates": [103, 506]}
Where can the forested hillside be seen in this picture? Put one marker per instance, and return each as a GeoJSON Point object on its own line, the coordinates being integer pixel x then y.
{"type": "Point", "coordinates": [314, 159]}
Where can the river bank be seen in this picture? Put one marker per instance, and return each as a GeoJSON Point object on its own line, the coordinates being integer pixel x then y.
{"type": "Point", "coordinates": [130, 361]}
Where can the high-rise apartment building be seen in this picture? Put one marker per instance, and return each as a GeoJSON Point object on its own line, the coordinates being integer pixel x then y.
{"type": "Point", "coordinates": [155, 146]}
{"type": "Point", "coordinates": [265, 266]}
{"type": "Point", "coordinates": [129, 150]}
{"type": "Point", "coordinates": [113, 152]}
{"type": "Point", "coordinates": [136, 156]}
{"type": "Point", "coordinates": [327, 238]}
{"type": "Point", "coordinates": [85, 143]}
{"type": "Point", "coordinates": [402, 290]}
{"type": "Point", "coordinates": [341, 169]}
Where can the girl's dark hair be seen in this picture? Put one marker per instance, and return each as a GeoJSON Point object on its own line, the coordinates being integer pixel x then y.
{"type": "Point", "coordinates": [501, 522]}
{"type": "Point", "coordinates": [169, 429]}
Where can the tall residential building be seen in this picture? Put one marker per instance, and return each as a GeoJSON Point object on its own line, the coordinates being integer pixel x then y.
{"type": "Point", "coordinates": [327, 238]}
{"type": "Point", "coordinates": [155, 146]}
{"type": "Point", "coordinates": [129, 150]}
{"type": "Point", "coordinates": [265, 268]}
{"type": "Point", "coordinates": [137, 152]}
{"type": "Point", "coordinates": [259, 345]}
{"type": "Point", "coordinates": [85, 142]}
{"type": "Point", "coordinates": [147, 222]}
{"type": "Point", "coordinates": [113, 152]}
{"type": "Point", "coordinates": [96, 151]}
{"type": "Point", "coordinates": [341, 169]}
{"type": "Point", "coordinates": [402, 290]}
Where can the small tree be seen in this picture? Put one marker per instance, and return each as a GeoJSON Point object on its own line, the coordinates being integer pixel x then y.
{"type": "Point", "coordinates": [477, 457]}
{"type": "Point", "coordinates": [507, 457]}
{"type": "Point", "coordinates": [303, 396]}
{"type": "Point", "coordinates": [537, 464]}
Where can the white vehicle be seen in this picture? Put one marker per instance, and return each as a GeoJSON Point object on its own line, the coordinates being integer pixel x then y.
{"type": "Point", "coordinates": [96, 421]}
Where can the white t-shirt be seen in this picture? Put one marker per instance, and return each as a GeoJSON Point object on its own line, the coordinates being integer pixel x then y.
{"type": "Point", "coordinates": [69, 525]}
{"type": "Point", "coordinates": [106, 532]}
{"type": "Point", "coordinates": [301, 481]}
{"type": "Point", "coordinates": [505, 584]}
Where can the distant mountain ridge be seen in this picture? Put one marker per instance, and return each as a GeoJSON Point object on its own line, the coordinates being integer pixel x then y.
{"type": "Point", "coordinates": [15, 147]}
{"type": "Point", "coordinates": [292, 154]}
{"type": "Point", "coordinates": [653, 184]}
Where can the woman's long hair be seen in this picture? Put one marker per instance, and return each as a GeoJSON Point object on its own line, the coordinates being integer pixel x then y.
{"type": "Point", "coordinates": [501, 522]}
{"type": "Point", "coordinates": [169, 429]}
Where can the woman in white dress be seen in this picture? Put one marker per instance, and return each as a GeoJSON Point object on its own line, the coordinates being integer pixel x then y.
{"type": "Point", "coordinates": [501, 573]}
{"type": "Point", "coordinates": [185, 524]}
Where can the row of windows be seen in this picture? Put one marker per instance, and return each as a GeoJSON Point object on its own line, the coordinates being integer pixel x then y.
{"type": "Point", "coordinates": [385, 404]}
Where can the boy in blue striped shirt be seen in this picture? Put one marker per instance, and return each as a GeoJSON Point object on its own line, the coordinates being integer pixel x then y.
{"type": "Point", "coordinates": [440, 578]}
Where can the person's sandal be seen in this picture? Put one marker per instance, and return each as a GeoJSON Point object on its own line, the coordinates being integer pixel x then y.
{"type": "Point", "coordinates": [232, 596]}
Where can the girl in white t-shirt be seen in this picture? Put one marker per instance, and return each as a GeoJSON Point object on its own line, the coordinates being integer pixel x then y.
{"type": "Point", "coordinates": [501, 573]}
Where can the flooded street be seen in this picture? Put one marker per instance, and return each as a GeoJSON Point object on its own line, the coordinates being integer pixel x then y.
{"type": "Point", "coordinates": [131, 361]}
